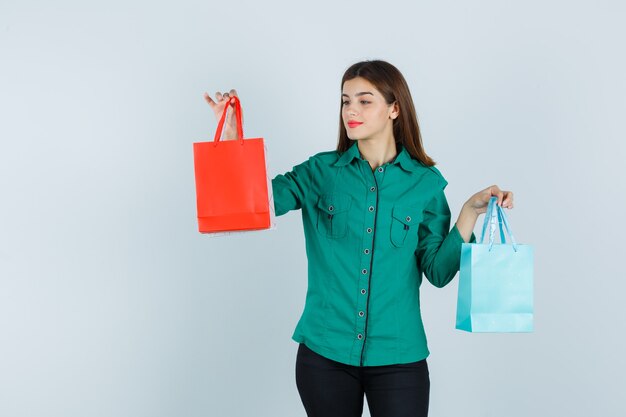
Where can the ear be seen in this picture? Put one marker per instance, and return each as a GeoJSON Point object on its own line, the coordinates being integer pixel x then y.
{"type": "Point", "coordinates": [394, 112]}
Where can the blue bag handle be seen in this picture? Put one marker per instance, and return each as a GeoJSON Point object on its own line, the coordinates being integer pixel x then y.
{"type": "Point", "coordinates": [495, 215]}
{"type": "Point", "coordinates": [490, 219]}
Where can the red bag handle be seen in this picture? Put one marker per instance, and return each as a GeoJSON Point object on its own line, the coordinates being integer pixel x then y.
{"type": "Point", "coordinates": [220, 126]}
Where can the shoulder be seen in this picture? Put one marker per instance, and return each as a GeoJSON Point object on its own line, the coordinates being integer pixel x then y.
{"type": "Point", "coordinates": [325, 156]}
{"type": "Point", "coordinates": [435, 171]}
{"type": "Point", "coordinates": [322, 160]}
{"type": "Point", "coordinates": [432, 173]}
{"type": "Point", "coordinates": [318, 162]}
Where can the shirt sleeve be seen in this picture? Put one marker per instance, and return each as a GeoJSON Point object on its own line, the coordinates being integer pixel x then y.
{"type": "Point", "coordinates": [439, 251]}
{"type": "Point", "coordinates": [289, 189]}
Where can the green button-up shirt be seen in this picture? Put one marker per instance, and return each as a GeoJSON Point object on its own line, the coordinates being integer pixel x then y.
{"type": "Point", "coordinates": [369, 237]}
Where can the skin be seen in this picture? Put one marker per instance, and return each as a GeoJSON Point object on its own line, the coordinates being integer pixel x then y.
{"type": "Point", "coordinates": [362, 102]}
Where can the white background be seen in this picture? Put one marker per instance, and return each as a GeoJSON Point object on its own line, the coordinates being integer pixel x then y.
{"type": "Point", "coordinates": [111, 302]}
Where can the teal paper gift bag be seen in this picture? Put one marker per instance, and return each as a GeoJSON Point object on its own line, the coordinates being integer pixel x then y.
{"type": "Point", "coordinates": [495, 281]}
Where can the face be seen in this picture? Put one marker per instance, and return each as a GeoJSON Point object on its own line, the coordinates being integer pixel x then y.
{"type": "Point", "coordinates": [365, 114]}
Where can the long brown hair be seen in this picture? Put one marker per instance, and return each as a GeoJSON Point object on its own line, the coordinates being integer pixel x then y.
{"type": "Point", "coordinates": [392, 85]}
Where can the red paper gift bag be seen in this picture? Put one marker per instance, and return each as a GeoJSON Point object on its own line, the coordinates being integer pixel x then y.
{"type": "Point", "coordinates": [231, 181]}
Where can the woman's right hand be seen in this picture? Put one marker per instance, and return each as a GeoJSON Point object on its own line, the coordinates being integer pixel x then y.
{"type": "Point", "coordinates": [218, 105]}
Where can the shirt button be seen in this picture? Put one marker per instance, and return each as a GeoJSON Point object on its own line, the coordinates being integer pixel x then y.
{"type": "Point", "coordinates": [364, 271]}
{"type": "Point", "coordinates": [408, 218]}
{"type": "Point", "coordinates": [371, 208]}
{"type": "Point", "coordinates": [359, 336]}
{"type": "Point", "coordinates": [373, 189]}
{"type": "Point", "coordinates": [361, 314]}
{"type": "Point", "coordinates": [369, 230]}
{"type": "Point", "coordinates": [363, 291]}
{"type": "Point", "coordinates": [331, 208]}
{"type": "Point", "coordinates": [381, 169]}
{"type": "Point", "coordinates": [366, 251]}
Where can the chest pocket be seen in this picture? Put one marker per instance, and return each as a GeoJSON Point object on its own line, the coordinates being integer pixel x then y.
{"type": "Point", "coordinates": [332, 215]}
{"type": "Point", "coordinates": [404, 224]}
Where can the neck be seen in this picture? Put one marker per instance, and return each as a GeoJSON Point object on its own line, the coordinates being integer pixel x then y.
{"type": "Point", "coordinates": [377, 153]}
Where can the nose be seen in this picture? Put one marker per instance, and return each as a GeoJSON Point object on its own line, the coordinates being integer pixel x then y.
{"type": "Point", "coordinates": [350, 111]}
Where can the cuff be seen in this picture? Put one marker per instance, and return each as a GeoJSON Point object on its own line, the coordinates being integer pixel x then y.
{"type": "Point", "coordinates": [458, 238]}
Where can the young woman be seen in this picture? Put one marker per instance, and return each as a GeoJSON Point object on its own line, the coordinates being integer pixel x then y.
{"type": "Point", "coordinates": [375, 219]}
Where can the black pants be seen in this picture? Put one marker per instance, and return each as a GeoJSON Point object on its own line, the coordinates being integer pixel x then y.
{"type": "Point", "coordinates": [328, 388]}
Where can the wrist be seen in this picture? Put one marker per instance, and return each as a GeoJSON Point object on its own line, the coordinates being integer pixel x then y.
{"type": "Point", "coordinates": [229, 134]}
{"type": "Point", "coordinates": [469, 211]}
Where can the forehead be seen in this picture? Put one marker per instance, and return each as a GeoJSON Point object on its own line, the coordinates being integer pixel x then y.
{"type": "Point", "coordinates": [358, 85]}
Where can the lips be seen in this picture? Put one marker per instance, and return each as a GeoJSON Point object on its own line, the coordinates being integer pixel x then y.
{"type": "Point", "coordinates": [354, 124]}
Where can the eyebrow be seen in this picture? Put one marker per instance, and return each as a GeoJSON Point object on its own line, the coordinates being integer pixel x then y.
{"type": "Point", "coordinates": [359, 94]}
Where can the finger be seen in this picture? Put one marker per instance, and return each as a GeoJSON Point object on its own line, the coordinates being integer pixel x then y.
{"type": "Point", "coordinates": [218, 96]}
{"type": "Point", "coordinates": [232, 93]}
{"type": "Point", "coordinates": [497, 192]}
{"type": "Point", "coordinates": [208, 99]}
{"type": "Point", "coordinates": [508, 199]}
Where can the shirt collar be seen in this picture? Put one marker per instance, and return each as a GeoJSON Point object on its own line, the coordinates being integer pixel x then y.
{"type": "Point", "coordinates": [403, 158]}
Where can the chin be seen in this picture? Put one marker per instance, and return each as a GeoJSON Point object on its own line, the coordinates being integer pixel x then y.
{"type": "Point", "coordinates": [353, 137]}
{"type": "Point", "coordinates": [359, 139]}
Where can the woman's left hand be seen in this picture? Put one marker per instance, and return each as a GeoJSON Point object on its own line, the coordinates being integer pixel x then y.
{"type": "Point", "coordinates": [479, 201]}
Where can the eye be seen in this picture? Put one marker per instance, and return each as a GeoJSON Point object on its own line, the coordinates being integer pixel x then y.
{"type": "Point", "coordinates": [343, 103]}
{"type": "Point", "coordinates": [365, 102]}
